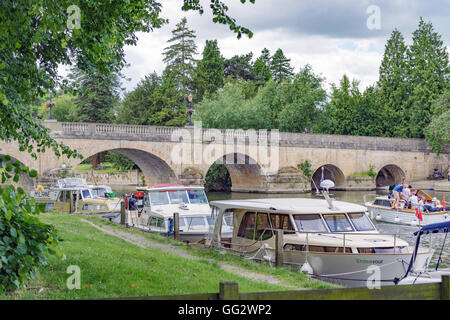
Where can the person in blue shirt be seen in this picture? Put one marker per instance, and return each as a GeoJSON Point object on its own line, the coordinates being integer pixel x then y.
{"type": "Point", "coordinates": [396, 192]}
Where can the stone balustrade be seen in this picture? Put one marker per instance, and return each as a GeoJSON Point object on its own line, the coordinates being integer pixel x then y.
{"type": "Point", "coordinates": [286, 139]}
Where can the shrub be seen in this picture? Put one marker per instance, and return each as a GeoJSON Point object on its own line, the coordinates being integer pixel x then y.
{"type": "Point", "coordinates": [25, 242]}
{"type": "Point", "coordinates": [306, 168]}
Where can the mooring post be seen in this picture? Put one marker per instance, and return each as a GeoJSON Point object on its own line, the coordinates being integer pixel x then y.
{"type": "Point", "coordinates": [122, 212]}
{"type": "Point", "coordinates": [228, 291]}
{"type": "Point", "coordinates": [279, 248]}
{"type": "Point", "coordinates": [445, 287]}
{"type": "Point", "coordinates": [176, 226]}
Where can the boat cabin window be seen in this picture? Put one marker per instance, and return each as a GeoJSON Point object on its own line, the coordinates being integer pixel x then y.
{"type": "Point", "coordinates": [361, 222]}
{"type": "Point", "coordinates": [338, 222]}
{"type": "Point", "coordinates": [247, 227]}
{"type": "Point", "coordinates": [158, 198]}
{"type": "Point", "coordinates": [382, 202]}
{"type": "Point", "coordinates": [384, 250]}
{"type": "Point", "coordinates": [146, 200]}
{"type": "Point", "coordinates": [99, 192]}
{"type": "Point", "coordinates": [178, 197]}
{"type": "Point", "coordinates": [281, 221]}
{"type": "Point", "coordinates": [157, 222]}
{"type": "Point", "coordinates": [309, 223]}
{"type": "Point", "coordinates": [262, 224]}
{"type": "Point", "coordinates": [195, 222]}
{"type": "Point", "coordinates": [197, 197]}
{"type": "Point", "coordinates": [304, 247]}
{"type": "Point", "coordinates": [86, 193]}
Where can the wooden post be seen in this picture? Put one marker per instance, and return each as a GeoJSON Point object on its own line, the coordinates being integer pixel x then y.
{"type": "Point", "coordinates": [176, 226]}
{"type": "Point", "coordinates": [445, 287]}
{"type": "Point", "coordinates": [279, 248]}
{"type": "Point", "coordinates": [122, 212]}
{"type": "Point", "coordinates": [228, 291]}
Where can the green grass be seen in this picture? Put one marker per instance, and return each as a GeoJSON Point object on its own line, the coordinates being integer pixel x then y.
{"type": "Point", "coordinates": [111, 267]}
{"type": "Point", "coordinates": [284, 274]}
{"type": "Point", "coordinates": [87, 167]}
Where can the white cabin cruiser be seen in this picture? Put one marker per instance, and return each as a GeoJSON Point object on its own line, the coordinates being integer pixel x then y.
{"type": "Point", "coordinates": [156, 205]}
{"type": "Point", "coordinates": [334, 240]}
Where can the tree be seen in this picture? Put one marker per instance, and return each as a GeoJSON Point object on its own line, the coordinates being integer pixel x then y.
{"type": "Point", "coordinates": [98, 95]}
{"type": "Point", "coordinates": [280, 66]}
{"type": "Point", "coordinates": [394, 85]}
{"type": "Point", "coordinates": [262, 66]}
{"type": "Point", "coordinates": [437, 133]}
{"type": "Point", "coordinates": [180, 56]}
{"type": "Point", "coordinates": [209, 73]}
{"type": "Point", "coordinates": [428, 64]}
{"type": "Point", "coordinates": [302, 100]}
{"type": "Point", "coordinates": [239, 67]}
{"type": "Point", "coordinates": [137, 105]}
{"type": "Point", "coordinates": [36, 37]}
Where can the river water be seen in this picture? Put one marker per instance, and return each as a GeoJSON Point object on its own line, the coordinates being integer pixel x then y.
{"type": "Point", "coordinates": [404, 231]}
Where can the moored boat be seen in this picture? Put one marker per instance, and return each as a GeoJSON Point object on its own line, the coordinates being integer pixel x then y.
{"type": "Point", "coordinates": [72, 195]}
{"type": "Point", "coordinates": [333, 240]}
{"type": "Point", "coordinates": [155, 207]}
{"type": "Point", "coordinates": [382, 209]}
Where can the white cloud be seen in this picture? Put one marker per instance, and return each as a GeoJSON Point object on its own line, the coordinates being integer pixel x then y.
{"type": "Point", "coordinates": [320, 32]}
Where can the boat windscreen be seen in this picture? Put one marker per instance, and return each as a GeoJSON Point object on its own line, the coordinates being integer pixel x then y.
{"type": "Point", "coordinates": [178, 197]}
{"type": "Point", "coordinates": [309, 223]}
{"type": "Point", "coordinates": [338, 222]}
{"type": "Point", "coordinates": [361, 222]}
{"type": "Point", "coordinates": [197, 197]}
{"type": "Point", "coordinates": [158, 198]}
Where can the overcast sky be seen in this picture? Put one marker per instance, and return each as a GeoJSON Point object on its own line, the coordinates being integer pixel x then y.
{"type": "Point", "coordinates": [336, 37]}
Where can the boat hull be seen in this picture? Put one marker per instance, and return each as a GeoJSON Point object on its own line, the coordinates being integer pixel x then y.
{"type": "Point", "coordinates": [404, 217]}
{"type": "Point", "coordinates": [353, 269]}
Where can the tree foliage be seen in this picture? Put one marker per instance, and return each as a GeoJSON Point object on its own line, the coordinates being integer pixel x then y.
{"type": "Point", "coordinates": [210, 70]}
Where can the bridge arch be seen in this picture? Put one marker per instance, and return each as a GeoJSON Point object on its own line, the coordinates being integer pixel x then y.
{"type": "Point", "coordinates": [388, 175]}
{"type": "Point", "coordinates": [245, 172]}
{"type": "Point", "coordinates": [155, 169]}
{"type": "Point", "coordinates": [331, 172]}
{"type": "Point", "coordinates": [25, 181]}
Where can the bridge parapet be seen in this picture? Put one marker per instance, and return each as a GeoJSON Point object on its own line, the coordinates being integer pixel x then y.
{"type": "Point", "coordinates": [284, 139]}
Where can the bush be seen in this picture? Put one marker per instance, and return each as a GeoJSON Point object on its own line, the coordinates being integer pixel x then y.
{"type": "Point", "coordinates": [306, 168]}
{"type": "Point", "coordinates": [25, 242]}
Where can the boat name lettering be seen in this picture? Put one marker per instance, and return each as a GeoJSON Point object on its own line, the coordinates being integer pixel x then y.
{"type": "Point", "coordinates": [369, 261]}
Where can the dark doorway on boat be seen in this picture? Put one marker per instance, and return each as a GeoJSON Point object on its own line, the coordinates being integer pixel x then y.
{"type": "Point", "coordinates": [389, 175]}
{"type": "Point", "coordinates": [330, 172]}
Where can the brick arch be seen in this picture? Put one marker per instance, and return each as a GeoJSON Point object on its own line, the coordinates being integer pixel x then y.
{"type": "Point", "coordinates": [245, 172]}
{"type": "Point", "coordinates": [331, 172]}
{"type": "Point", "coordinates": [389, 174]}
{"type": "Point", "coordinates": [155, 168]}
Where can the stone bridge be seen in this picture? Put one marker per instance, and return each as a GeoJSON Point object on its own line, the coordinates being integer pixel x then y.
{"type": "Point", "coordinates": [258, 161]}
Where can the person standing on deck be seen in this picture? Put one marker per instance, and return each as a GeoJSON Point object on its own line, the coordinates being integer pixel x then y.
{"type": "Point", "coordinates": [397, 192]}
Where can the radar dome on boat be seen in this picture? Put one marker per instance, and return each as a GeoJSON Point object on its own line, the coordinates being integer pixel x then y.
{"type": "Point", "coordinates": [327, 184]}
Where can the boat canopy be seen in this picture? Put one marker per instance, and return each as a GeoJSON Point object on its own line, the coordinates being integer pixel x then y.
{"type": "Point", "coordinates": [434, 228]}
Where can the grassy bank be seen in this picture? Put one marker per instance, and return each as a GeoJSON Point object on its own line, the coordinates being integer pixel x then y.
{"type": "Point", "coordinates": [111, 267]}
